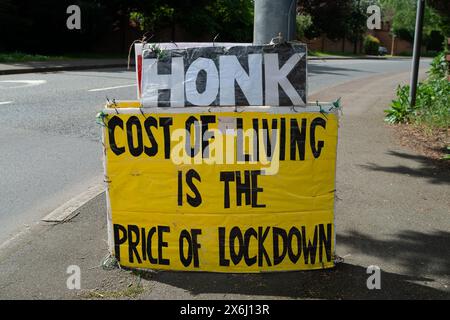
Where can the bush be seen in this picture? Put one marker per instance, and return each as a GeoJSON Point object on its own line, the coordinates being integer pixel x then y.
{"type": "Point", "coordinates": [439, 67]}
{"type": "Point", "coordinates": [433, 104]}
{"type": "Point", "coordinates": [400, 110]}
{"type": "Point", "coordinates": [303, 22]}
{"type": "Point", "coordinates": [371, 45]}
{"type": "Point", "coordinates": [432, 107]}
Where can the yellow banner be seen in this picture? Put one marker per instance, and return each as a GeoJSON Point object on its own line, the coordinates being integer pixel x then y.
{"type": "Point", "coordinates": [223, 192]}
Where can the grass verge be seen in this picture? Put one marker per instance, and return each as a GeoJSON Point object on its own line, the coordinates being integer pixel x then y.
{"type": "Point", "coordinates": [24, 57]}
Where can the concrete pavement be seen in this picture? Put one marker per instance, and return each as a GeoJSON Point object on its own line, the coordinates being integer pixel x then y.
{"type": "Point", "coordinates": [392, 211]}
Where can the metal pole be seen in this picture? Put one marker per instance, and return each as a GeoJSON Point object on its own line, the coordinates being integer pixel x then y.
{"type": "Point", "coordinates": [417, 49]}
{"type": "Point", "coordinates": [274, 17]}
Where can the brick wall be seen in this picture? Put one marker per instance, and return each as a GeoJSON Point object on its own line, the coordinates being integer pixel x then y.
{"type": "Point", "coordinates": [327, 45]}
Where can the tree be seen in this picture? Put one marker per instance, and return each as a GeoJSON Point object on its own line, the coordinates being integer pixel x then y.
{"type": "Point", "coordinates": [231, 19]}
{"type": "Point", "coordinates": [356, 25]}
{"type": "Point", "coordinates": [403, 16]}
{"type": "Point", "coordinates": [328, 17]}
{"type": "Point", "coordinates": [442, 8]}
{"type": "Point", "coordinates": [303, 23]}
{"type": "Point", "coordinates": [40, 26]}
{"type": "Point", "coordinates": [337, 19]}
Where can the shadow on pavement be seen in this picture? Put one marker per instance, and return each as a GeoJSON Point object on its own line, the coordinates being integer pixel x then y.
{"type": "Point", "coordinates": [418, 253]}
{"type": "Point", "coordinates": [346, 281]}
{"type": "Point", "coordinates": [427, 170]}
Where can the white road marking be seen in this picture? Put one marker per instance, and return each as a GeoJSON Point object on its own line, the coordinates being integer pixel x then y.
{"type": "Point", "coordinates": [111, 88]}
{"type": "Point", "coordinates": [6, 102]}
{"type": "Point", "coordinates": [68, 209]}
{"type": "Point", "coordinates": [22, 83]}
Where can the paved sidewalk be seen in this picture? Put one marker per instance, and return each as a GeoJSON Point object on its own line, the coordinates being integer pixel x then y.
{"type": "Point", "coordinates": [60, 65]}
{"type": "Point", "coordinates": [392, 211]}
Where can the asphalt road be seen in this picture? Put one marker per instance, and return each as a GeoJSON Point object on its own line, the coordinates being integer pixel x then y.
{"type": "Point", "coordinates": [50, 143]}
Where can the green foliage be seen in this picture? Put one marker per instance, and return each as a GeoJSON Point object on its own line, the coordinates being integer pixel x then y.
{"type": "Point", "coordinates": [432, 107]}
{"type": "Point", "coordinates": [231, 19]}
{"type": "Point", "coordinates": [22, 57]}
{"type": "Point", "coordinates": [39, 27]}
{"type": "Point", "coordinates": [371, 45]}
{"type": "Point", "coordinates": [400, 108]}
{"type": "Point", "coordinates": [442, 8]}
{"type": "Point", "coordinates": [447, 156]}
{"type": "Point", "coordinates": [160, 53]}
{"type": "Point", "coordinates": [402, 14]}
{"type": "Point", "coordinates": [427, 54]}
{"type": "Point", "coordinates": [433, 103]}
{"type": "Point", "coordinates": [439, 67]}
{"type": "Point", "coordinates": [328, 17]}
{"type": "Point", "coordinates": [160, 16]}
{"type": "Point", "coordinates": [356, 22]}
{"type": "Point", "coordinates": [337, 19]}
{"type": "Point", "coordinates": [304, 21]}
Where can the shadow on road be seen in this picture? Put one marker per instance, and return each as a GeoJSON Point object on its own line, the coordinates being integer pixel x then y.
{"type": "Point", "coordinates": [314, 69]}
{"type": "Point", "coordinates": [427, 170]}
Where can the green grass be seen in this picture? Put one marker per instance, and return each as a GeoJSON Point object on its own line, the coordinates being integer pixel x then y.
{"type": "Point", "coordinates": [427, 54]}
{"type": "Point", "coordinates": [131, 292]}
{"type": "Point", "coordinates": [24, 57]}
{"type": "Point", "coordinates": [96, 56]}
{"type": "Point", "coordinates": [316, 53]}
